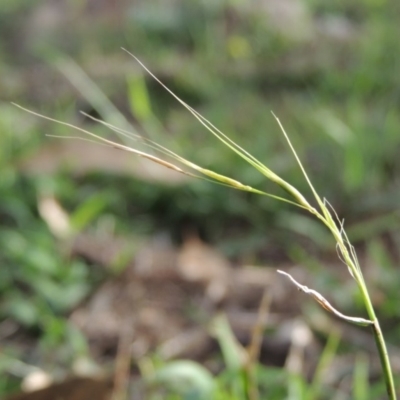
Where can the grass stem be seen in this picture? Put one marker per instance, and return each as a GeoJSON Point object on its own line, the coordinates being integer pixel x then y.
{"type": "Point", "coordinates": [345, 250]}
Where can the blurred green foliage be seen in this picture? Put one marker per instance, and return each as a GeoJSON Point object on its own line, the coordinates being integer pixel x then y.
{"type": "Point", "coordinates": [330, 73]}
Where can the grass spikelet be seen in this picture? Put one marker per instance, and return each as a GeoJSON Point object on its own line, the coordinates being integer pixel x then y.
{"type": "Point", "coordinates": [344, 248]}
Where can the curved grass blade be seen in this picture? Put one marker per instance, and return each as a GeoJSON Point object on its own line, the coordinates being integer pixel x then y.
{"type": "Point", "coordinates": [326, 305]}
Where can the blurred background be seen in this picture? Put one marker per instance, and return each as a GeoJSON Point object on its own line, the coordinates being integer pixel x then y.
{"type": "Point", "coordinates": [117, 272]}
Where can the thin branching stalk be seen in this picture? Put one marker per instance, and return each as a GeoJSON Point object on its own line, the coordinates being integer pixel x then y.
{"type": "Point", "coordinates": [325, 212]}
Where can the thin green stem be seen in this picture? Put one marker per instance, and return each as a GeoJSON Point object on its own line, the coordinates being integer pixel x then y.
{"type": "Point", "coordinates": [378, 335]}
{"type": "Point", "coordinates": [380, 343]}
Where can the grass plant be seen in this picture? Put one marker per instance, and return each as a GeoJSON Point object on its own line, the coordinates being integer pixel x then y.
{"type": "Point", "coordinates": [322, 210]}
